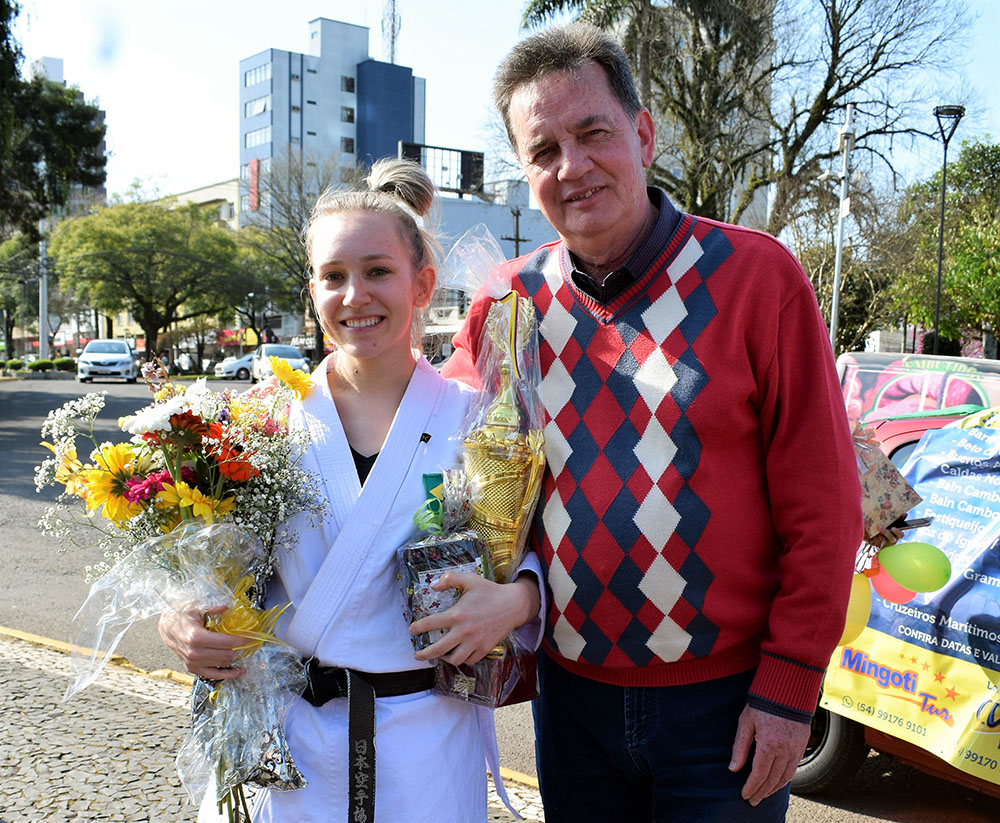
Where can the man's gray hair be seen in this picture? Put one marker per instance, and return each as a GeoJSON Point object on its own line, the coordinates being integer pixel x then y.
{"type": "Point", "coordinates": [565, 49]}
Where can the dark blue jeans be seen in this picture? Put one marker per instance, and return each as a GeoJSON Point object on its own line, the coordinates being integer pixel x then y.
{"type": "Point", "coordinates": [614, 754]}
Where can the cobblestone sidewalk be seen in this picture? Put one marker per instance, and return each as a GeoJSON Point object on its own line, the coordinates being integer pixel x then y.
{"type": "Point", "coordinates": [108, 754]}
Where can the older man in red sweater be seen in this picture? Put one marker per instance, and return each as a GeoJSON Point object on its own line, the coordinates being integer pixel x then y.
{"type": "Point", "coordinates": [701, 507]}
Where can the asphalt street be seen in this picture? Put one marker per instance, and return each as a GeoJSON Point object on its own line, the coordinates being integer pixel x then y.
{"type": "Point", "coordinates": [43, 585]}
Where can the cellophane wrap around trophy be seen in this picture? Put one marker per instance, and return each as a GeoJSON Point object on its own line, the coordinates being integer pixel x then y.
{"type": "Point", "coordinates": [503, 437]}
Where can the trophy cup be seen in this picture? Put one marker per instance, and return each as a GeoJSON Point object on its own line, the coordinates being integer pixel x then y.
{"type": "Point", "coordinates": [503, 454]}
{"type": "Point", "coordinates": [504, 462]}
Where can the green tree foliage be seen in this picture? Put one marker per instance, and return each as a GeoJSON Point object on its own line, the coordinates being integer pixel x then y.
{"type": "Point", "coordinates": [50, 139]}
{"type": "Point", "coordinates": [970, 293]}
{"type": "Point", "coordinates": [164, 265]}
{"type": "Point", "coordinates": [18, 285]}
{"type": "Point", "coordinates": [10, 58]}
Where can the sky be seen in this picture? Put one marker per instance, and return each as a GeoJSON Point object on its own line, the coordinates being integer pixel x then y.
{"type": "Point", "coordinates": [167, 73]}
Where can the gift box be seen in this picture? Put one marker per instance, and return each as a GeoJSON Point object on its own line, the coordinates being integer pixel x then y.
{"type": "Point", "coordinates": [421, 565]}
{"type": "Point", "coordinates": [885, 494]}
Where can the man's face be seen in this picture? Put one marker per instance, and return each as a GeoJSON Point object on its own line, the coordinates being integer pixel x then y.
{"type": "Point", "coordinates": [584, 159]}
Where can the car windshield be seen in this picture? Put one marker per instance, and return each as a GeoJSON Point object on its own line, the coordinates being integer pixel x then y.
{"type": "Point", "coordinates": [106, 347]}
{"type": "Point", "coordinates": [288, 352]}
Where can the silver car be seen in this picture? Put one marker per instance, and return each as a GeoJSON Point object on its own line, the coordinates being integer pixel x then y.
{"type": "Point", "coordinates": [235, 368]}
{"type": "Point", "coordinates": [107, 358]}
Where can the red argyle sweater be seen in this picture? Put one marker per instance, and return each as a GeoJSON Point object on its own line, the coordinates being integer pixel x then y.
{"type": "Point", "coordinates": [701, 509]}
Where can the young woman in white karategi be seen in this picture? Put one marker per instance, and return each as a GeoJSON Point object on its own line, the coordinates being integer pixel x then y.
{"type": "Point", "coordinates": [379, 418]}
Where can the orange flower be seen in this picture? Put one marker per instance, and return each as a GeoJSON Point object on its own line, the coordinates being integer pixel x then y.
{"type": "Point", "coordinates": [186, 430]}
{"type": "Point", "coordinates": [230, 456]}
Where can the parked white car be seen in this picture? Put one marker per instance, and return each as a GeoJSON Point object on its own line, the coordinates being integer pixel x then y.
{"type": "Point", "coordinates": [261, 367]}
{"type": "Point", "coordinates": [235, 368]}
{"type": "Point", "coordinates": [107, 358]}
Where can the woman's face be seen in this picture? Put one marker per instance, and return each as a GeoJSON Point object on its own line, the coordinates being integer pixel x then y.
{"type": "Point", "coordinates": [365, 285]}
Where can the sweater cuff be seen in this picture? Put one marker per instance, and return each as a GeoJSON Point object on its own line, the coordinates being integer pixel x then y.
{"type": "Point", "coordinates": [786, 687]}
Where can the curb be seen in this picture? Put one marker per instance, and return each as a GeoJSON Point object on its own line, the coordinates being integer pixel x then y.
{"type": "Point", "coordinates": [177, 677]}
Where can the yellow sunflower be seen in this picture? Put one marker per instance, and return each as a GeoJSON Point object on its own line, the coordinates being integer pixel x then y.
{"type": "Point", "coordinates": [293, 378]}
{"type": "Point", "coordinates": [105, 484]}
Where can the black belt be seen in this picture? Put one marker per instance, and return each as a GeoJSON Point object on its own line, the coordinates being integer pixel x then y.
{"type": "Point", "coordinates": [326, 683]}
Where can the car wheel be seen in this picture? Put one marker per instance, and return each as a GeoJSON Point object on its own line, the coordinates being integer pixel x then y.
{"type": "Point", "coordinates": [84, 379]}
{"type": "Point", "coordinates": [131, 379]}
{"type": "Point", "coordinates": [242, 374]}
{"type": "Point", "coordinates": [835, 750]}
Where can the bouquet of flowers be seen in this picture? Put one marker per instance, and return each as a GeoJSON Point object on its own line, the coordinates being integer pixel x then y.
{"type": "Point", "coordinates": [192, 508]}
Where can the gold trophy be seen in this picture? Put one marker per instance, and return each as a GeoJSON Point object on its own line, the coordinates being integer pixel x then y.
{"type": "Point", "coordinates": [503, 455]}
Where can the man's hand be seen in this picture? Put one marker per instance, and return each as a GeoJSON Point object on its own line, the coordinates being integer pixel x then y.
{"type": "Point", "coordinates": [780, 744]}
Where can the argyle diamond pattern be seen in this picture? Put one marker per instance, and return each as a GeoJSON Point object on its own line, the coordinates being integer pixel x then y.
{"type": "Point", "coordinates": [627, 584]}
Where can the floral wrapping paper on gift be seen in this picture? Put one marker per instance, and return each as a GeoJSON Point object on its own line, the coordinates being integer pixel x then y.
{"type": "Point", "coordinates": [189, 513]}
{"type": "Point", "coordinates": [443, 546]}
{"type": "Point", "coordinates": [885, 494]}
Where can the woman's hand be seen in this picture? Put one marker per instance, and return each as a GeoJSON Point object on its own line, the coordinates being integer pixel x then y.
{"type": "Point", "coordinates": [205, 653]}
{"type": "Point", "coordinates": [484, 615]}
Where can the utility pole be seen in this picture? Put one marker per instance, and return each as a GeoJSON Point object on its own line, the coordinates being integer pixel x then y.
{"type": "Point", "coordinates": [43, 294]}
{"type": "Point", "coordinates": [517, 240]}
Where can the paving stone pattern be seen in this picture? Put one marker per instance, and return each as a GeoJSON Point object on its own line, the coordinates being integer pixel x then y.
{"type": "Point", "coordinates": [108, 754]}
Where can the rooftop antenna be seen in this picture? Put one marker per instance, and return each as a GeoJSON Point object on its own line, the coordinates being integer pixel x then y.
{"type": "Point", "coordinates": [391, 24]}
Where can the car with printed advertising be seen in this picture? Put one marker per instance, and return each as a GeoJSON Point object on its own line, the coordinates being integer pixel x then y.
{"type": "Point", "coordinates": [877, 385]}
{"type": "Point", "coordinates": [260, 365]}
{"type": "Point", "coordinates": [920, 678]}
{"type": "Point", "coordinates": [235, 368]}
{"type": "Point", "coordinates": [107, 358]}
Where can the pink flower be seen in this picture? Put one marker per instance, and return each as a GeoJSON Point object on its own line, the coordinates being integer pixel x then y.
{"type": "Point", "coordinates": [138, 489]}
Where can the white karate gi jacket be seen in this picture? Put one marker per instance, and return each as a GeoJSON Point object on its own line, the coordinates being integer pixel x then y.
{"type": "Point", "coordinates": [347, 611]}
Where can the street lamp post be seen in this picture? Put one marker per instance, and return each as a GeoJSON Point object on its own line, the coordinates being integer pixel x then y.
{"type": "Point", "coordinates": [845, 142]}
{"type": "Point", "coordinates": [947, 120]}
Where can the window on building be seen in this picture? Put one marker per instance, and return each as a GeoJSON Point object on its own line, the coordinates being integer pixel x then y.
{"type": "Point", "coordinates": [258, 74]}
{"type": "Point", "coordinates": [311, 102]}
{"type": "Point", "coordinates": [245, 172]}
{"type": "Point", "coordinates": [265, 165]}
{"type": "Point", "coordinates": [256, 106]}
{"type": "Point", "coordinates": [347, 145]}
{"type": "Point", "coordinates": [347, 84]}
{"type": "Point", "coordinates": [310, 71]}
{"type": "Point", "coordinates": [296, 108]}
{"type": "Point", "coordinates": [294, 77]}
{"type": "Point", "coordinates": [311, 133]}
{"type": "Point", "coordinates": [244, 202]}
{"type": "Point", "coordinates": [347, 114]}
{"type": "Point", "coordinates": [257, 137]}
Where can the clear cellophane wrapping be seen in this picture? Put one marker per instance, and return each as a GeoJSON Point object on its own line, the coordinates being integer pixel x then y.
{"type": "Point", "coordinates": [502, 455]}
{"type": "Point", "coordinates": [236, 734]}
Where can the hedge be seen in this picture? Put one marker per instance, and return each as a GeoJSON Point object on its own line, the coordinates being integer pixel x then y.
{"type": "Point", "coordinates": [65, 364]}
{"type": "Point", "coordinates": [40, 365]}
